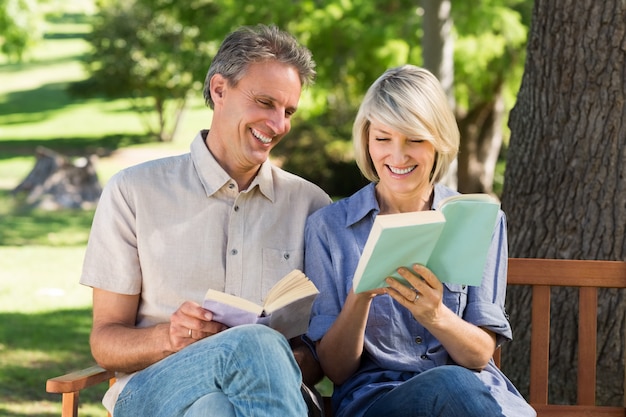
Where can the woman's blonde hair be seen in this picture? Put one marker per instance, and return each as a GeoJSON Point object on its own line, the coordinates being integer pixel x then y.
{"type": "Point", "coordinates": [410, 100]}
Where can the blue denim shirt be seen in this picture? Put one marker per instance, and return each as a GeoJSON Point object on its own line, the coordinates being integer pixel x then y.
{"type": "Point", "coordinates": [397, 347]}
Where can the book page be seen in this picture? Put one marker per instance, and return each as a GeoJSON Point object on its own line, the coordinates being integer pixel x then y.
{"type": "Point", "coordinates": [293, 286]}
{"type": "Point", "coordinates": [233, 300]}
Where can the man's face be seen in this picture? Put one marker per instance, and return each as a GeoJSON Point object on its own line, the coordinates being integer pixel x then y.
{"type": "Point", "coordinates": [253, 116]}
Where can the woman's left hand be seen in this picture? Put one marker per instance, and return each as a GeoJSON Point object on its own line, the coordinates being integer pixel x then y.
{"type": "Point", "coordinates": [467, 344]}
{"type": "Point", "coordinates": [424, 295]}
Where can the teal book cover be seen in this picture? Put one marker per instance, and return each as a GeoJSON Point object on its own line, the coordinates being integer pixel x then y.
{"type": "Point", "coordinates": [453, 242]}
{"type": "Point", "coordinates": [460, 254]}
{"type": "Point", "coordinates": [396, 240]}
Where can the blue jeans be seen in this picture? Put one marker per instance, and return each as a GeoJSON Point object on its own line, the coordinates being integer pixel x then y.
{"type": "Point", "coordinates": [252, 367]}
{"type": "Point", "coordinates": [445, 391]}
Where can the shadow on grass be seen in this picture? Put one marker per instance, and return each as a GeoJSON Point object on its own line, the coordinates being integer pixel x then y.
{"type": "Point", "coordinates": [101, 146]}
{"type": "Point", "coordinates": [39, 346]}
{"type": "Point", "coordinates": [23, 226]}
{"type": "Point", "coordinates": [35, 105]}
{"type": "Point", "coordinates": [71, 18]}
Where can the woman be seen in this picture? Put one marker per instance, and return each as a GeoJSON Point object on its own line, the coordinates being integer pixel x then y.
{"type": "Point", "coordinates": [418, 350]}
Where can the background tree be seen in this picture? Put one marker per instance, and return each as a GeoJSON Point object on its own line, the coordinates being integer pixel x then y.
{"type": "Point", "coordinates": [147, 56]}
{"type": "Point", "coordinates": [488, 45]}
{"type": "Point", "coordinates": [564, 190]}
{"type": "Point", "coordinates": [488, 57]}
{"type": "Point", "coordinates": [20, 27]}
{"type": "Point", "coordinates": [353, 43]}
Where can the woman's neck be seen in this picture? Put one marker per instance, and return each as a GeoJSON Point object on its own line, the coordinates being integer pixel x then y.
{"type": "Point", "coordinates": [418, 200]}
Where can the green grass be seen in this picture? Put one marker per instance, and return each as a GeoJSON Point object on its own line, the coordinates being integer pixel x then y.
{"type": "Point", "coordinates": [44, 311]}
{"type": "Point", "coordinates": [46, 319]}
{"type": "Point", "coordinates": [36, 108]}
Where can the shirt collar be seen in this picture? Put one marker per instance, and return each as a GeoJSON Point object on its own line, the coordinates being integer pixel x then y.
{"type": "Point", "coordinates": [264, 180]}
{"type": "Point", "coordinates": [213, 176]}
{"type": "Point", "coordinates": [361, 204]}
{"type": "Point", "coordinates": [364, 202]}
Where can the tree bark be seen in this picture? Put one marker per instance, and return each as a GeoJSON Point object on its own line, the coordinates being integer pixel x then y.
{"type": "Point", "coordinates": [56, 182]}
{"type": "Point", "coordinates": [481, 140]}
{"type": "Point", "coordinates": [565, 189]}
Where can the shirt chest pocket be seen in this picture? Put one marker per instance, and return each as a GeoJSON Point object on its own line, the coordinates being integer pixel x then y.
{"type": "Point", "coordinates": [455, 297]}
{"type": "Point", "coordinates": [382, 307]}
{"type": "Point", "coordinates": [277, 263]}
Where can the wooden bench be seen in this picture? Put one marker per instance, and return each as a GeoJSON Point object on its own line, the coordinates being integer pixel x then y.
{"type": "Point", "coordinates": [541, 275]}
{"type": "Point", "coordinates": [588, 276]}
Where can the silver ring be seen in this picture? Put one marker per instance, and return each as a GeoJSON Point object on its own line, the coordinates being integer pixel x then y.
{"type": "Point", "coordinates": [417, 296]}
{"type": "Point", "coordinates": [189, 333]}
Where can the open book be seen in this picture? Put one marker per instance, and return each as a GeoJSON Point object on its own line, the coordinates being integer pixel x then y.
{"type": "Point", "coordinates": [453, 242]}
{"type": "Point", "coordinates": [286, 308]}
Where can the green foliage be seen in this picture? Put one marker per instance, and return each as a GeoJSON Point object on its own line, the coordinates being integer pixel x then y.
{"type": "Point", "coordinates": [489, 50]}
{"type": "Point", "coordinates": [20, 27]}
{"type": "Point", "coordinates": [162, 49]}
{"type": "Point", "coordinates": [139, 53]}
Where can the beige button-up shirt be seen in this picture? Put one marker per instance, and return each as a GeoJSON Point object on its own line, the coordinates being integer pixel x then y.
{"type": "Point", "coordinates": [172, 228]}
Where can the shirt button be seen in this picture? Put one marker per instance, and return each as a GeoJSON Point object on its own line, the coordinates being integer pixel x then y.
{"type": "Point", "coordinates": [418, 340]}
{"type": "Point", "coordinates": [424, 357]}
{"type": "Point", "coordinates": [233, 252]}
{"type": "Point", "coordinates": [231, 185]}
{"type": "Point", "coordinates": [236, 208]}
{"type": "Point", "coordinates": [286, 256]}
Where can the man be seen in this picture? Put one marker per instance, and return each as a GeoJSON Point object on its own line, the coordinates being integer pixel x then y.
{"type": "Point", "coordinates": [222, 217]}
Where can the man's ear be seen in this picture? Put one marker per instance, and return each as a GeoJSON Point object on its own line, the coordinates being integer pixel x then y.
{"type": "Point", "coordinates": [217, 86]}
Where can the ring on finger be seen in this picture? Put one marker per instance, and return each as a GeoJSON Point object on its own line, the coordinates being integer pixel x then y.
{"type": "Point", "coordinates": [417, 296]}
{"type": "Point", "coordinates": [189, 333]}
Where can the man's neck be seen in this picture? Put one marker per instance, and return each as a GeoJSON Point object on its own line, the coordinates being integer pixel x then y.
{"type": "Point", "coordinates": [241, 177]}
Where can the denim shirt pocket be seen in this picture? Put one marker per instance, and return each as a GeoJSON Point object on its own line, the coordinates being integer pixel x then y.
{"type": "Point", "coordinates": [380, 311]}
{"type": "Point", "coordinates": [455, 297]}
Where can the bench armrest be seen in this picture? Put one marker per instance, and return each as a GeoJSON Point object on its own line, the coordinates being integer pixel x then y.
{"type": "Point", "coordinates": [78, 380]}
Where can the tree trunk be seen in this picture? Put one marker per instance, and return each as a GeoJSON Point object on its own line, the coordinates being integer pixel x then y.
{"type": "Point", "coordinates": [438, 56]}
{"type": "Point", "coordinates": [56, 182]}
{"type": "Point", "coordinates": [565, 189]}
{"type": "Point", "coordinates": [481, 139]}
{"type": "Point", "coordinates": [438, 44]}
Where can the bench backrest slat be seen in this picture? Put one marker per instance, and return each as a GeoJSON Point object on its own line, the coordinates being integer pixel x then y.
{"type": "Point", "coordinates": [588, 276]}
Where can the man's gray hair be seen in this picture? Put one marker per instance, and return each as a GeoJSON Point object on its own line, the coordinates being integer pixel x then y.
{"type": "Point", "coordinates": [250, 44]}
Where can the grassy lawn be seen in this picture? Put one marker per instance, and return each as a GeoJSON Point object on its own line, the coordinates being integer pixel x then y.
{"type": "Point", "coordinates": [45, 313]}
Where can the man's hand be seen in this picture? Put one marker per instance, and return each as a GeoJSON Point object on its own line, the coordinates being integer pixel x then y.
{"type": "Point", "coordinates": [118, 344]}
{"type": "Point", "coordinates": [191, 323]}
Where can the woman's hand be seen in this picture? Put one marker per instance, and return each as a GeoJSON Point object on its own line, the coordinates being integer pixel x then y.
{"type": "Point", "coordinates": [467, 344]}
{"type": "Point", "coordinates": [424, 296]}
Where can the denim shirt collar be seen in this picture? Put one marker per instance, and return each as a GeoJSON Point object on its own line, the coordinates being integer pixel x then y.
{"type": "Point", "coordinates": [363, 203]}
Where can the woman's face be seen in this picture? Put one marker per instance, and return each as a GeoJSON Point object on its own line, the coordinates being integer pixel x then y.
{"type": "Point", "coordinates": [403, 163]}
